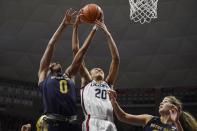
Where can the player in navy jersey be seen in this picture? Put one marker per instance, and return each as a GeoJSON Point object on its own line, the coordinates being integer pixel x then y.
{"type": "Point", "coordinates": [58, 89]}
{"type": "Point", "coordinates": [95, 102]}
{"type": "Point", "coordinates": [172, 117]}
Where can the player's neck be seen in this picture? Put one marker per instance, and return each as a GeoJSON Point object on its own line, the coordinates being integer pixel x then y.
{"type": "Point", "coordinates": [166, 119]}
{"type": "Point", "coordinates": [98, 81]}
{"type": "Point", "coordinates": [56, 73]}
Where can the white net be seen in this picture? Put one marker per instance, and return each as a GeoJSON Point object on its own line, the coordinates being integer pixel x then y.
{"type": "Point", "coordinates": [143, 10]}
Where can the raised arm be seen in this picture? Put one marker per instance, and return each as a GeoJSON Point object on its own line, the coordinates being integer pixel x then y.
{"type": "Point", "coordinates": [83, 71]}
{"type": "Point", "coordinates": [114, 67]}
{"type": "Point", "coordinates": [174, 114]}
{"type": "Point", "coordinates": [138, 120]}
{"type": "Point", "coordinates": [48, 54]}
{"type": "Point", "coordinates": [76, 63]}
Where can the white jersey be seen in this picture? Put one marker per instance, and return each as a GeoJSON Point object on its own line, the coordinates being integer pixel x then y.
{"type": "Point", "coordinates": [97, 107]}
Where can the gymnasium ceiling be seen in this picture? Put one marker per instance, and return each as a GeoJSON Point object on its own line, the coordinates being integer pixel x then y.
{"type": "Point", "coordinates": [160, 54]}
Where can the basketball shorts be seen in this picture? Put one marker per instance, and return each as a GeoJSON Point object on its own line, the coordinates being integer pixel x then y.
{"type": "Point", "coordinates": [45, 123]}
{"type": "Point", "coordinates": [94, 124]}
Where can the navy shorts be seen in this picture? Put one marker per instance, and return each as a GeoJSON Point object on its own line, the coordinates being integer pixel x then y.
{"type": "Point", "coordinates": [55, 125]}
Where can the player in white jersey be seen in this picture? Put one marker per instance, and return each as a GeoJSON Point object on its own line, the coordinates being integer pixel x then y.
{"type": "Point", "coordinates": [95, 101]}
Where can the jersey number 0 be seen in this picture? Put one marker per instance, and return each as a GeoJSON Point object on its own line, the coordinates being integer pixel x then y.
{"type": "Point", "coordinates": [63, 86]}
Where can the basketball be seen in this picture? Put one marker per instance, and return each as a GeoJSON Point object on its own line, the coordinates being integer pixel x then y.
{"type": "Point", "coordinates": [90, 13]}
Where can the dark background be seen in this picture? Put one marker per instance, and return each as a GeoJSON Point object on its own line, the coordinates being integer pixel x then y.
{"type": "Point", "coordinates": [157, 59]}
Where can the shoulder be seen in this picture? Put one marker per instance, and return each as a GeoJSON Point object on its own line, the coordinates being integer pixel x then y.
{"type": "Point", "coordinates": [87, 84]}
{"type": "Point", "coordinates": [110, 85]}
{"type": "Point", "coordinates": [42, 78]}
{"type": "Point", "coordinates": [148, 118]}
{"type": "Point", "coordinates": [151, 119]}
{"type": "Point", "coordinates": [106, 84]}
{"type": "Point", "coordinates": [67, 74]}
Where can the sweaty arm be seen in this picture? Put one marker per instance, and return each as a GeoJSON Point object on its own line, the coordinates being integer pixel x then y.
{"type": "Point", "coordinates": [83, 71]}
{"type": "Point", "coordinates": [138, 120]}
{"type": "Point", "coordinates": [77, 61]}
{"type": "Point", "coordinates": [114, 66]}
{"type": "Point", "coordinates": [174, 114]}
{"type": "Point", "coordinates": [48, 54]}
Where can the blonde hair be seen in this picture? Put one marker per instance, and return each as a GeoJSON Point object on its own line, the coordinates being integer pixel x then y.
{"type": "Point", "coordinates": [188, 122]}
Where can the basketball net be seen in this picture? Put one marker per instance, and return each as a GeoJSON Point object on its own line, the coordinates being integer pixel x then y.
{"type": "Point", "coordinates": [143, 10]}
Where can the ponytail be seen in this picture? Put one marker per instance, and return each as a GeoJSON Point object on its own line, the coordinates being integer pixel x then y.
{"type": "Point", "coordinates": [188, 122]}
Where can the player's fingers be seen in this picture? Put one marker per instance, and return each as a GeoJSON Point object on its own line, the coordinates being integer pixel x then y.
{"type": "Point", "coordinates": [173, 106]}
{"type": "Point", "coordinates": [80, 15]}
{"type": "Point", "coordinates": [23, 128]}
{"type": "Point", "coordinates": [110, 95]}
{"type": "Point", "coordinates": [95, 27]}
{"type": "Point", "coordinates": [97, 23]}
{"type": "Point", "coordinates": [70, 10]}
{"type": "Point", "coordinates": [170, 111]}
{"type": "Point", "coordinates": [80, 11]}
{"type": "Point", "coordinates": [78, 18]}
{"type": "Point", "coordinates": [67, 12]}
{"type": "Point", "coordinates": [28, 125]}
{"type": "Point", "coordinates": [175, 109]}
{"type": "Point", "coordinates": [109, 92]}
{"type": "Point", "coordinates": [74, 13]}
{"type": "Point", "coordinates": [112, 92]}
{"type": "Point", "coordinates": [169, 105]}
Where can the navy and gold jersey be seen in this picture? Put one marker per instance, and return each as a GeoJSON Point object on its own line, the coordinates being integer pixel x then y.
{"type": "Point", "coordinates": [59, 95]}
{"type": "Point", "coordinates": [155, 124]}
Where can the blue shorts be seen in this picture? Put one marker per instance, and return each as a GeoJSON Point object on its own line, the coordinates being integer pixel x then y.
{"type": "Point", "coordinates": [55, 125]}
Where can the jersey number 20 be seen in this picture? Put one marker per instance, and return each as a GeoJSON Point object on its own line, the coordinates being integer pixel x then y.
{"type": "Point", "coordinates": [101, 93]}
{"type": "Point", "coordinates": [63, 86]}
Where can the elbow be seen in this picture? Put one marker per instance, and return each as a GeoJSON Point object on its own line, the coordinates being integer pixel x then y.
{"type": "Point", "coordinates": [82, 51]}
{"type": "Point", "coordinates": [51, 44]}
{"type": "Point", "coordinates": [117, 60]}
{"type": "Point", "coordinates": [122, 117]}
{"type": "Point", "coordinates": [75, 50]}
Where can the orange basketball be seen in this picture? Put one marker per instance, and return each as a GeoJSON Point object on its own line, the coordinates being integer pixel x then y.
{"type": "Point", "coordinates": [91, 12]}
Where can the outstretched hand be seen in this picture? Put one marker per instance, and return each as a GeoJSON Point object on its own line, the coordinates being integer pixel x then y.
{"type": "Point", "coordinates": [102, 16]}
{"type": "Point", "coordinates": [78, 19]}
{"type": "Point", "coordinates": [102, 26]}
{"type": "Point", "coordinates": [26, 127]}
{"type": "Point", "coordinates": [69, 16]}
{"type": "Point", "coordinates": [174, 113]}
{"type": "Point", "coordinates": [112, 95]}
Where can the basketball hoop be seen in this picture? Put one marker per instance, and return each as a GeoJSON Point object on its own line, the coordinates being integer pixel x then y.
{"type": "Point", "coordinates": [143, 10]}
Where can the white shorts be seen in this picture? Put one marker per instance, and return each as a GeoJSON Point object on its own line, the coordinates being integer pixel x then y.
{"type": "Point", "coordinates": [94, 124]}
